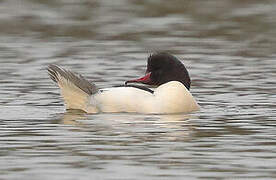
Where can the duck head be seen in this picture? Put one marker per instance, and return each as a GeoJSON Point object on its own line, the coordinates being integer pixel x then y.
{"type": "Point", "coordinates": [162, 68]}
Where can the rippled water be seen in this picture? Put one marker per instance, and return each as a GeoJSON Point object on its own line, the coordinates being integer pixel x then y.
{"type": "Point", "coordinates": [228, 46]}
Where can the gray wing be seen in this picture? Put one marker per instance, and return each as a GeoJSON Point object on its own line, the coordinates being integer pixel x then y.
{"type": "Point", "coordinates": [78, 80]}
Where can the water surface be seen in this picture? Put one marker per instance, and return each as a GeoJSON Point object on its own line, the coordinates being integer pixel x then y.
{"type": "Point", "coordinates": [228, 47]}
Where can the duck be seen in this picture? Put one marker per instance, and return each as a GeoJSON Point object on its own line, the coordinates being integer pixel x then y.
{"type": "Point", "coordinates": [168, 92]}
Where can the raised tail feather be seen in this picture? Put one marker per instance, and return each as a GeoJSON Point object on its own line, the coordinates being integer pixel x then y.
{"type": "Point", "coordinates": [75, 89]}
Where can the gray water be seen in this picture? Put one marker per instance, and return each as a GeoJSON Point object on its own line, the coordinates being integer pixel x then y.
{"type": "Point", "coordinates": [229, 48]}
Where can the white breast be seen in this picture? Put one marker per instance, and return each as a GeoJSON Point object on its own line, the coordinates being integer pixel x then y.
{"type": "Point", "coordinates": [172, 97]}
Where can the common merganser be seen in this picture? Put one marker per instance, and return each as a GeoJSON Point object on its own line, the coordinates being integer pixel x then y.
{"type": "Point", "coordinates": [163, 70]}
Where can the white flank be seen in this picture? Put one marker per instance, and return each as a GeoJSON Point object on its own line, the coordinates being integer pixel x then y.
{"type": "Point", "coordinates": [171, 97]}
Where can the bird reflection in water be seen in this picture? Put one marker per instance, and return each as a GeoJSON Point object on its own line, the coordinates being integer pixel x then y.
{"type": "Point", "coordinates": [170, 126]}
{"type": "Point", "coordinates": [71, 117]}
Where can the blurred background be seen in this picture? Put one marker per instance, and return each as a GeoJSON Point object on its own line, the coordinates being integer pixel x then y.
{"type": "Point", "coordinates": [228, 46]}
